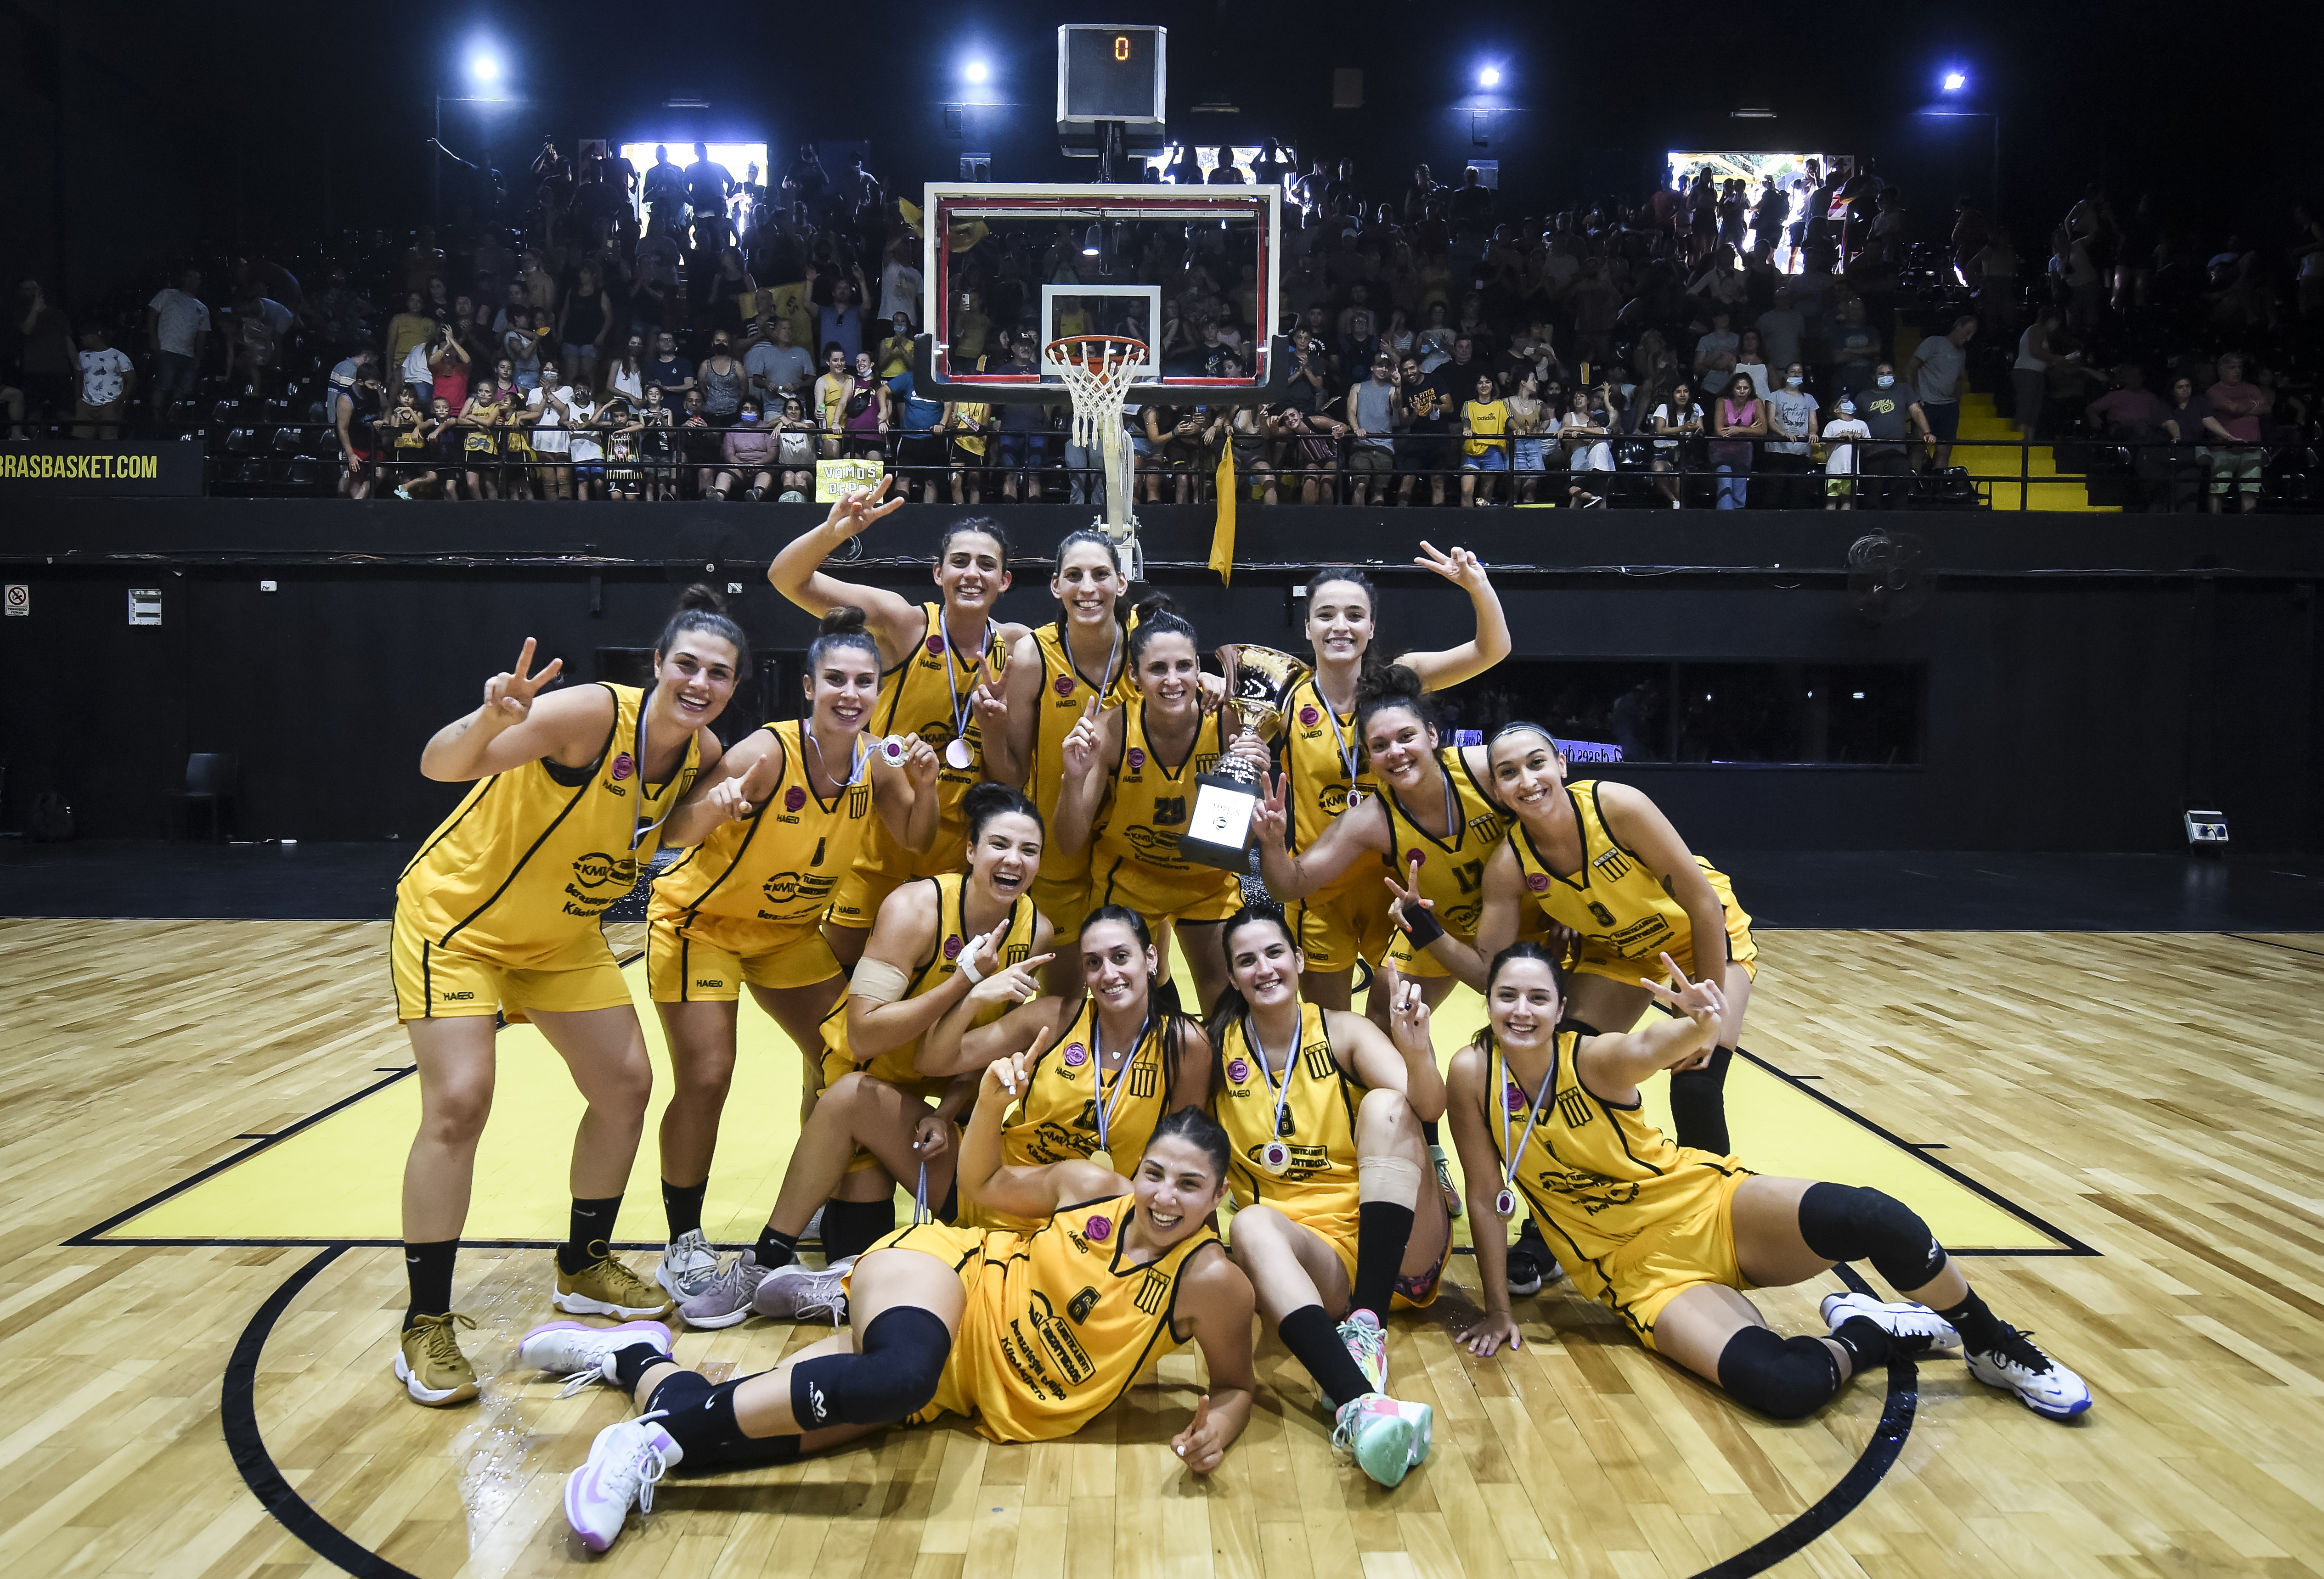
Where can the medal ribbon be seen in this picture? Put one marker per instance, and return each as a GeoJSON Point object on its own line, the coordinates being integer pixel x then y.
{"type": "Point", "coordinates": [1106, 1105]}
{"type": "Point", "coordinates": [1533, 1115]}
{"type": "Point", "coordinates": [962, 707]}
{"type": "Point", "coordinates": [1290, 1069]}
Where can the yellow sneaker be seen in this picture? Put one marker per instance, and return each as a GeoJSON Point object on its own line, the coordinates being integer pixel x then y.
{"type": "Point", "coordinates": [430, 1362]}
{"type": "Point", "coordinates": [607, 1287]}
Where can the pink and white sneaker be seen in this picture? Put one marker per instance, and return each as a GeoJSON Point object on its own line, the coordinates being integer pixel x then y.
{"type": "Point", "coordinates": [625, 1462]}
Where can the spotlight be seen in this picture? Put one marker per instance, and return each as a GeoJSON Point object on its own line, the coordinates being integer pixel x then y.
{"type": "Point", "coordinates": [1955, 82]}
{"type": "Point", "coordinates": [977, 71]}
{"type": "Point", "coordinates": [485, 67]}
{"type": "Point", "coordinates": [1490, 76]}
{"type": "Point", "coordinates": [1092, 241]}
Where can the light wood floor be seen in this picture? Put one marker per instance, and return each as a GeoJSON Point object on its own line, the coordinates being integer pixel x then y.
{"type": "Point", "coordinates": [2155, 1097]}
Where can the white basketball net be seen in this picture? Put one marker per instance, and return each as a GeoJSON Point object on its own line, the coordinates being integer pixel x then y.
{"type": "Point", "coordinates": [1096, 371]}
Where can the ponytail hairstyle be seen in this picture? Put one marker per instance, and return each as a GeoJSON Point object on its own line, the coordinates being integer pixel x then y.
{"type": "Point", "coordinates": [701, 607]}
{"type": "Point", "coordinates": [1518, 726]}
{"type": "Point", "coordinates": [988, 800]}
{"type": "Point", "coordinates": [1197, 1128]}
{"type": "Point", "coordinates": [1161, 1001]}
{"type": "Point", "coordinates": [985, 526]}
{"type": "Point", "coordinates": [843, 626]}
{"type": "Point", "coordinates": [1527, 949]}
{"type": "Point", "coordinates": [1394, 686]}
{"type": "Point", "coordinates": [1153, 616]}
{"type": "Point", "coordinates": [1371, 664]}
{"type": "Point", "coordinates": [1231, 1006]}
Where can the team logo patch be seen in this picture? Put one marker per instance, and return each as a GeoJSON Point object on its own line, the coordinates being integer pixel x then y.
{"type": "Point", "coordinates": [622, 766]}
{"type": "Point", "coordinates": [1416, 858]}
{"type": "Point", "coordinates": [1136, 759]}
{"type": "Point", "coordinates": [1517, 1099]}
{"type": "Point", "coordinates": [936, 646]}
{"type": "Point", "coordinates": [1310, 717]}
{"type": "Point", "coordinates": [1076, 1055]}
{"type": "Point", "coordinates": [794, 799]}
{"type": "Point", "coordinates": [1238, 1071]}
{"type": "Point", "coordinates": [1098, 1229]}
{"type": "Point", "coordinates": [951, 948]}
{"type": "Point", "coordinates": [1065, 684]}
{"type": "Point", "coordinates": [1536, 881]}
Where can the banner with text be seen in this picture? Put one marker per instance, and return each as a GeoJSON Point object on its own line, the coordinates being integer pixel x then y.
{"type": "Point", "coordinates": [122, 470]}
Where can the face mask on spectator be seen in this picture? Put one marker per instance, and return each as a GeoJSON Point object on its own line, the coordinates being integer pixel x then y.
{"type": "Point", "coordinates": [1884, 380]}
{"type": "Point", "coordinates": [1794, 383]}
{"type": "Point", "coordinates": [1847, 407]}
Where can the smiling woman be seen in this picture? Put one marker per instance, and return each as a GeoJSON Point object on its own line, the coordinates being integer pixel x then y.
{"type": "Point", "coordinates": [499, 914]}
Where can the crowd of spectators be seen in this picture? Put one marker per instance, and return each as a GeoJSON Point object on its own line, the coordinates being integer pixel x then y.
{"type": "Point", "coordinates": [680, 332]}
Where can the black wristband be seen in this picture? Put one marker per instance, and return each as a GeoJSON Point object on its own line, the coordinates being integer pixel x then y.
{"type": "Point", "coordinates": [1421, 926]}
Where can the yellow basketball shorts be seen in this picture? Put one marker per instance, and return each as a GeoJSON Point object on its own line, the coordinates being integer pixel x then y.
{"type": "Point", "coordinates": [1201, 895]}
{"type": "Point", "coordinates": [1594, 959]}
{"type": "Point", "coordinates": [710, 959]}
{"type": "Point", "coordinates": [1691, 1247]}
{"type": "Point", "coordinates": [1346, 922]}
{"type": "Point", "coordinates": [435, 983]}
{"type": "Point", "coordinates": [1067, 902]}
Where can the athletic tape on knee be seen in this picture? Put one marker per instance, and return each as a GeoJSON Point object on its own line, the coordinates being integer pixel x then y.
{"type": "Point", "coordinates": [1785, 1379]}
{"type": "Point", "coordinates": [1391, 1180]}
{"type": "Point", "coordinates": [876, 981]}
{"type": "Point", "coordinates": [891, 1377]}
{"type": "Point", "coordinates": [1849, 1221]}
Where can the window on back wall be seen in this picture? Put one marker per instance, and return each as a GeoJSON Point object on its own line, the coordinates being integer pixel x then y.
{"type": "Point", "coordinates": [1720, 714]}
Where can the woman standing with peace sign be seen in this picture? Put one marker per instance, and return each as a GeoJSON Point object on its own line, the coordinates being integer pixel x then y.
{"type": "Point", "coordinates": [500, 912]}
{"type": "Point", "coordinates": [940, 664]}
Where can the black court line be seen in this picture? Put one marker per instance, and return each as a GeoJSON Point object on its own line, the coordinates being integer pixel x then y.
{"type": "Point", "coordinates": [238, 1413]}
{"type": "Point", "coordinates": [2067, 1243]}
{"type": "Point", "coordinates": [2272, 943]}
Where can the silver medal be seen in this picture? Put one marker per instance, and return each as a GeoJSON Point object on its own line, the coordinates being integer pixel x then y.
{"type": "Point", "coordinates": [892, 751]}
{"type": "Point", "coordinates": [1506, 1204]}
{"type": "Point", "coordinates": [957, 754]}
{"type": "Point", "coordinates": [1275, 1157]}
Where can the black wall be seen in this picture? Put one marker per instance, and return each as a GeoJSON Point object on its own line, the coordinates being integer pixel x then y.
{"type": "Point", "coordinates": [2086, 678]}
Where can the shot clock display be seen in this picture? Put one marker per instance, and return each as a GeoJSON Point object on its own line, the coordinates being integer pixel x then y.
{"type": "Point", "coordinates": [1109, 73]}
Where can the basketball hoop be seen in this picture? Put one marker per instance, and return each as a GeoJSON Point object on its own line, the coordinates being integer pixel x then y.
{"type": "Point", "coordinates": [1097, 371]}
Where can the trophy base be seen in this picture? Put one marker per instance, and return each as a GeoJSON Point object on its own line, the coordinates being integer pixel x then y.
{"type": "Point", "coordinates": [1218, 826]}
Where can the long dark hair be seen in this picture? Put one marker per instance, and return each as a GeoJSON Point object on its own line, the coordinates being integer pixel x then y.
{"type": "Point", "coordinates": [1161, 1001]}
{"type": "Point", "coordinates": [701, 607]}
{"type": "Point", "coordinates": [1232, 1006]}
{"type": "Point", "coordinates": [1153, 616]}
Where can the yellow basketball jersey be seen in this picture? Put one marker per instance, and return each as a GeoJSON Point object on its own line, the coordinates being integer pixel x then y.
{"type": "Point", "coordinates": [928, 696]}
{"type": "Point", "coordinates": [1057, 1120]}
{"type": "Point", "coordinates": [1146, 806]}
{"type": "Point", "coordinates": [1060, 1322]}
{"type": "Point", "coordinates": [897, 1065]}
{"type": "Point", "coordinates": [779, 863]}
{"type": "Point", "coordinates": [1318, 1125]}
{"type": "Point", "coordinates": [1318, 743]}
{"type": "Point", "coordinates": [1452, 872]}
{"type": "Point", "coordinates": [1597, 1175]}
{"type": "Point", "coordinates": [522, 870]}
{"type": "Point", "coordinates": [1615, 900]}
{"type": "Point", "coordinates": [1064, 690]}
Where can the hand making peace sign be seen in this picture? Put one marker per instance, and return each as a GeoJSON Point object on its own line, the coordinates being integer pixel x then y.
{"type": "Point", "coordinates": [1462, 568]}
{"type": "Point", "coordinates": [508, 696]}
{"type": "Point", "coordinates": [857, 508]}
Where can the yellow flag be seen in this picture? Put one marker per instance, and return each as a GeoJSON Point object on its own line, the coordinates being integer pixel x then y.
{"type": "Point", "coordinates": [1223, 535]}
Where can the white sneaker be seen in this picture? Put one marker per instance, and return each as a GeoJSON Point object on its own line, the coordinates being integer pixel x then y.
{"type": "Point", "coordinates": [798, 1292]}
{"type": "Point", "coordinates": [624, 1463]}
{"type": "Point", "coordinates": [1423, 1420]}
{"type": "Point", "coordinates": [687, 1265]}
{"type": "Point", "coordinates": [585, 1354]}
{"type": "Point", "coordinates": [1375, 1431]}
{"type": "Point", "coordinates": [1367, 1347]}
{"type": "Point", "coordinates": [2043, 1385]}
{"type": "Point", "coordinates": [1917, 1325]}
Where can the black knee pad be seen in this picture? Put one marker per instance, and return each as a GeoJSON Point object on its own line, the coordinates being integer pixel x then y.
{"type": "Point", "coordinates": [891, 1377]}
{"type": "Point", "coordinates": [1785, 1379]}
{"type": "Point", "coordinates": [1849, 1221]}
{"type": "Point", "coordinates": [1698, 1099]}
{"type": "Point", "coordinates": [700, 1416]}
{"type": "Point", "coordinates": [851, 1227]}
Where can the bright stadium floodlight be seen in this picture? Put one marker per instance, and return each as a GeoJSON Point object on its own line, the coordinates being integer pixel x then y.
{"type": "Point", "coordinates": [485, 67]}
{"type": "Point", "coordinates": [1490, 76]}
{"type": "Point", "coordinates": [977, 71]}
{"type": "Point", "coordinates": [1955, 81]}
{"type": "Point", "coordinates": [1094, 241]}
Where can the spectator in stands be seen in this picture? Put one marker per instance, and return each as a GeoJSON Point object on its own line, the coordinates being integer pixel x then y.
{"type": "Point", "coordinates": [1226, 173]}
{"type": "Point", "coordinates": [2130, 412]}
{"type": "Point", "coordinates": [523, 346]}
{"type": "Point", "coordinates": [656, 437]}
{"type": "Point", "coordinates": [1485, 449]}
{"type": "Point", "coordinates": [807, 181]}
{"type": "Point", "coordinates": [2184, 422]}
{"type": "Point", "coordinates": [795, 453]}
{"type": "Point", "coordinates": [353, 412]}
{"type": "Point", "coordinates": [708, 184]}
{"type": "Point", "coordinates": [1792, 414]}
{"type": "Point", "coordinates": [412, 327]}
{"type": "Point", "coordinates": [895, 357]}
{"type": "Point", "coordinates": [833, 392]}
{"type": "Point", "coordinates": [107, 378]}
{"type": "Point", "coordinates": [722, 381]}
{"type": "Point", "coordinates": [1586, 436]}
{"type": "Point", "coordinates": [584, 324]}
{"type": "Point", "coordinates": [1024, 437]}
{"type": "Point", "coordinates": [625, 375]}
{"type": "Point", "coordinates": [968, 424]}
{"type": "Point", "coordinates": [920, 445]}
{"type": "Point", "coordinates": [47, 355]}
{"type": "Point", "coordinates": [1677, 425]}
{"type": "Point", "coordinates": [1937, 371]}
{"type": "Point", "coordinates": [699, 443]}
{"type": "Point", "coordinates": [749, 451]}
{"type": "Point", "coordinates": [669, 371]}
{"type": "Point", "coordinates": [665, 191]}
{"type": "Point", "coordinates": [1269, 169]}
{"type": "Point", "coordinates": [1845, 433]}
{"type": "Point", "coordinates": [2232, 424]}
{"type": "Point", "coordinates": [551, 405]}
{"type": "Point", "coordinates": [177, 328]}
{"type": "Point", "coordinates": [1311, 448]}
{"type": "Point", "coordinates": [1781, 328]}
{"type": "Point", "coordinates": [1855, 347]}
{"type": "Point", "coordinates": [1422, 417]}
{"type": "Point", "coordinates": [1738, 417]}
{"type": "Point", "coordinates": [1892, 414]}
{"type": "Point", "coordinates": [1371, 425]}
{"type": "Point", "coordinates": [840, 323]}
{"type": "Point", "coordinates": [777, 367]}
{"type": "Point", "coordinates": [901, 281]}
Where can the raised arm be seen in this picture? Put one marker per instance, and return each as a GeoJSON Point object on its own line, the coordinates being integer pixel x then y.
{"type": "Point", "coordinates": [747, 776]}
{"type": "Point", "coordinates": [1405, 1064]}
{"type": "Point", "coordinates": [1021, 1191]}
{"type": "Point", "coordinates": [1613, 1066]}
{"type": "Point", "coordinates": [796, 574]}
{"type": "Point", "coordinates": [906, 795]}
{"type": "Point", "coordinates": [1089, 747]}
{"type": "Point", "coordinates": [1350, 836]}
{"type": "Point", "coordinates": [1439, 671]}
{"type": "Point", "coordinates": [956, 1044]}
{"type": "Point", "coordinates": [1009, 750]}
{"type": "Point", "coordinates": [1503, 892]}
{"type": "Point", "coordinates": [517, 725]}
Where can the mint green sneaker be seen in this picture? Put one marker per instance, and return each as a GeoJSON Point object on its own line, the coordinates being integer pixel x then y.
{"type": "Point", "coordinates": [1375, 1431]}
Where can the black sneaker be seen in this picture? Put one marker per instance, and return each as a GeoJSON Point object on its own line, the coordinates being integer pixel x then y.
{"type": "Point", "coordinates": [1530, 1256]}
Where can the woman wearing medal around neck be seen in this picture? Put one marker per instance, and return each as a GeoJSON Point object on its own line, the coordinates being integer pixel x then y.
{"type": "Point", "coordinates": [1323, 751]}
{"type": "Point", "coordinates": [1333, 1212]}
{"type": "Point", "coordinates": [1667, 1237]}
{"type": "Point", "coordinates": [879, 1121]}
{"type": "Point", "coordinates": [744, 906]}
{"type": "Point", "coordinates": [1100, 1071]}
{"type": "Point", "coordinates": [500, 913]}
{"type": "Point", "coordinates": [1130, 777]}
{"type": "Point", "coordinates": [937, 682]}
{"type": "Point", "coordinates": [1601, 862]}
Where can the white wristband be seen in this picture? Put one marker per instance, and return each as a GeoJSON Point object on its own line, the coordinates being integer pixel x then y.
{"type": "Point", "coordinates": [968, 967]}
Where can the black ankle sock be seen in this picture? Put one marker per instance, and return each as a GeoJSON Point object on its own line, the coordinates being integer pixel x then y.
{"type": "Point", "coordinates": [1868, 1344]}
{"type": "Point", "coordinates": [776, 1248]}
{"type": "Point", "coordinates": [1313, 1339]}
{"type": "Point", "coordinates": [588, 1232]}
{"type": "Point", "coordinates": [851, 1226]}
{"type": "Point", "coordinates": [632, 1363]}
{"type": "Point", "coordinates": [1980, 1329]}
{"type": "Point", "coordinates": [682, 1204]}
{"type": "Point", "coordinates": [428, 1267]}
{"type": "Point", "coordinates": [1698, 1099]}
{"type": "Point", "coordinates": [1383, 1228]}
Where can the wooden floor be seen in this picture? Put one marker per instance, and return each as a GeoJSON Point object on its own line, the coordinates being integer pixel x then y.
{"type": "Point", "coordinates": [2155, 1098]}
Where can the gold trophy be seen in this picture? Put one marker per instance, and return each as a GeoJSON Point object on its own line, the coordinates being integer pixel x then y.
{"type": "Point", "coordinates": [1258, 687]}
